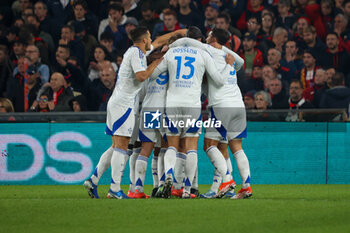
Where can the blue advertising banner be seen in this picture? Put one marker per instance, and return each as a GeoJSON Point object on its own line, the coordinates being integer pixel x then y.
{"type": "Point", "coordinates": [278, 152]}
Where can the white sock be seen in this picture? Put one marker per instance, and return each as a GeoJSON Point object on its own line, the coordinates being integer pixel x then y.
{"type": "Point", "coordinates": [117, 164]}
{"type": "Point", "coordinates": [169, 161]}
{"type": "Point", "coordinates": [229, 166]}
{"type": "Point", "coordinates": [216, 182]}
{"type": "Point", "coordinates": [195, 179]}
{"type": "Point", "coordinates": [155, 171]}
{"type": "Point", "coordinates": [243, 168]}
{"type": "Point", "coordinates": [102, 166]}
{"type": "Point", "coordinates": [132, 162]}
{"type": "Point", "coordinates": [190, 169]}
{"type": "Point", "coordinates": [140, 172]}
{"type": "Point", "coordinates": [218, 160]}
{"type": "Point", "coordinates": [161, 166]}
{"type": "Point", "coordinates": [179, 170]}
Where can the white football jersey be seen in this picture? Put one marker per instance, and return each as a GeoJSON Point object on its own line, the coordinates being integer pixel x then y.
{"type": "Point", "coordinates": [127, 87]}
{"type": "Point", "coordinates": [228, 95]}
{"type": "Point", "coordinates": [186, 67]}
{"type": "Point", "coordinates": [156, 88]}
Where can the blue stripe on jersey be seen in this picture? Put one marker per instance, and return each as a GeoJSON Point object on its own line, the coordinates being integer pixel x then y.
{"type": "Point", "coordinates": [194, 129]}
{"type": "Point", "coordinates": [243, 134]}
{"type": "Point", "coordinates": [143, 138]}
{"type": "Point", "coordinates": [221, 130]}
{"type": "Point", "coordinates": [108, 131]}
{"type": "Point", "coordinates": [121, 120]}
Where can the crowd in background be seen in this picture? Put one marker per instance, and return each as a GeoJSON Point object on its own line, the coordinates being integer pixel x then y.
{"type": "Point", "coordinates": [296, 52]}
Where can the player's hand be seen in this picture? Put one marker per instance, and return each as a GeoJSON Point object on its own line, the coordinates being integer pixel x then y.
{"type": "Point", "coordinates": [230, 59]}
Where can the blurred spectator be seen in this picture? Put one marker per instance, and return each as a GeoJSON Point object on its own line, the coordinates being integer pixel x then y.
{"type": "Point", "coordinates": [291, 57]}
{"type": "Point", "coordinates": [131, 9]}
{"type": "Point", "coordinates": [59, 11]}
{"type": "Point", "coordinates": [307, 74]}
{"type": "Point", "coordinates": [115, 18]}
{"type": "Point", "coordinates": [330, 72]}
{"type": "Point", "coordinates": [278, 94]}
{"type": "Point", "coordinates": [46, 37]}
{"type": "Point", "coordinates": [307, 7]}
{"type": "Point", "coordinates": [249, 101]}
{"type": "Point", "coordinates": [338, 96]}
{"type": "Point", "coordinates": [268, 73]}
{"type": "Point", "coordinates": [279, 38]}
{"type": "Point", "coordinates": [107, 41]}
{"type": "Point", "coordinates": [274, 57]}
{"type": "Point", "coordinates": [41, 104]}
{"type": "Point", "coordinates": [76, 47]}
{"type": "Point", "coordinates": [169, 24]}
{"type": "Point", "coordinates": [346, 7]}
{"type": "Point", "coordinates": [285, 17]}
{"type": "Point", "coordinates": [254, 26]}
{"type": "Point", "coordinates": [255, 81]}
{"type": "Point", "coordinates": [23, 88]}
{"type": "Point", "coordinates": [211, 12]}
{"type": "Point", "coordinates": [57, 88]}
{"type": "Point", "coordinates": [296, 99]}
{"type": "Point", "coordinates": [46, 23]}
{"type": "Point", "coordinates": [101, 89]}
{"type": "Point", "coordinates": [88, 41]}
{"type": "Point", "coordinates": [223, 21]}
{"type": "Point", "coordinates": [82, 15]}
{"type": "Point", "coordinates": [101, 54]}
{"type": "Point", "coordinates": [262, 100]}
{"type": "Point", "coordinates": [339, 5]}
{"type": "Point", "coordinates": [6, 105]}
{"type": "Point", "coordinates": [148, 17]}
{"type": "Point", "coordinates": [336, 56]}
{"type": "Point", "coordinates": [33, 53]}
{"type": "Point", "coordinates": [251, 55]}
{"type": "Point", "coordinates": [23, 4]}
{"type": "Point", "coordinates": [312, 42]}
{"type": "Point", "coordinates": [340, 27]}
{"type": "Point", "coordinates": [253, 8]}
{"type": "Point", "coordinates": [79, 104]}
{"type": "Point", "coordinates": [189, 17]}
{"type": "Point", "coordinates": [314, 93]}
{"type": "Point", "coordinates": [19, 47]}
{"type": "Point", "coordinates": [268, 23]}
{"type": "Point", "coordinates": [6, 68]}
{"type": "Point", "coordinates": [302, 23]}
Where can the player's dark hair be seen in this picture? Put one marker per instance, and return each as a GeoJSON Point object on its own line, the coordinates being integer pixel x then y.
{"type": "Point", "coordinates": [194, 33]}
{"type": "Point", "coordinates": [221, 35]}
{"type": "Point", "coordinates": [174, 38]}
{"type": "Point", "coordinates": [137, 34]}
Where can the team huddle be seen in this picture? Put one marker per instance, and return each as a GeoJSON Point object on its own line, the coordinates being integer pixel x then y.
{"type": "Point", "coordinates": [157, 108]}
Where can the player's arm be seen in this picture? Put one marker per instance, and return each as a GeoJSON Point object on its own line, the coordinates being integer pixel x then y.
{"type": "Point", "coordinates": [238, 60]}
{"type": "Point", "coordinates": [211, 69]}
{"type": "Point", "coordinates": [162, 40]}
{"type": "Point", "coordinates": [143, 75]}
{"type": "Point", "coordinates": [188, 42]}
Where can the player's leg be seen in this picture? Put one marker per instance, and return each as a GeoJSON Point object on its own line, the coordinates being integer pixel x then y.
{"type": "Point", "coordinates": [141, 167]}
{"type": "Point", "coordinates": [223, 147]}
{"type": "Point", "coordinates": [103, 164]}
{"type": "Point", "coordinates": [243, 168]}
{"type": "Point", "coordinates": [132, 163]}
{"type": "Point", "coordinates": [154, 166]}
{"type": "Point", "coordinates": [179, 171]}
{"type": "Point", "coordinates": [190, 145]}
{"type": "Point", "coordinates": [161, 171]}
{"type": "Point", "coordinates": [120, 146]}
{"type": "Point", "coordinates": [194, 188]}
{"type": "Point", "coordinates": [169, 163]}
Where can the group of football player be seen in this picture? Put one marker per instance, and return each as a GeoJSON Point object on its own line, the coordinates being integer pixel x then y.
{"type": "Point", "coordinates": [157, 108]}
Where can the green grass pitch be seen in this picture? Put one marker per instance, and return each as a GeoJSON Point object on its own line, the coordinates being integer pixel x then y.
{"type": "Point", "coordinates": [273, 208]}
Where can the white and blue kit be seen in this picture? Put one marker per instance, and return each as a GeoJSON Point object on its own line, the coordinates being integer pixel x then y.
{"type": "Point", "coordinates": [153, 105]}
{"type": "Point", "coordinates": [225, 102]}
{"type": "Point", "coordinates": [186, 67]}
{"type": "Point", "coordinates": [120, 108]}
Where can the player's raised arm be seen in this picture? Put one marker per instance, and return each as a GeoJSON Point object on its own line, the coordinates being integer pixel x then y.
{"type": "Point", "coordinates": [238, 60]}
{"type": "Point", "coordinates": [162, 40]}
{"type": "Point", "coordinates": [143, 75]}
{"type": "Point", "coordinates": [211, 69]}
